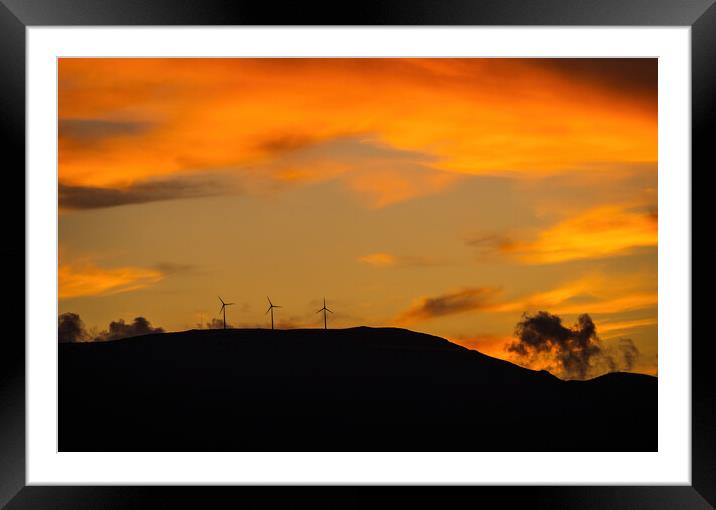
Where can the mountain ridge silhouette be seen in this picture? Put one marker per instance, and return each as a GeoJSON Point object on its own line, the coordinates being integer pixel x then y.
{"type": "Point", "coordinates": [354, 389]}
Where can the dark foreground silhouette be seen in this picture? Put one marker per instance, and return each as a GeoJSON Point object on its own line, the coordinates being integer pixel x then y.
{"type": "Point", "coordinates": [359, 389]}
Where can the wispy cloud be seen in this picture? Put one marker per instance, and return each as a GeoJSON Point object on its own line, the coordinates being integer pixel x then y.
{"type": "Point", "coordinates": [379, 174]}
{"type": "Point", "coordinates": [594, 294]}
{"type": "Point", "coordinates": [87, 279]}
{"type": "Point", "coordinates": [614, 329]}
{"type": "Point", "coordinates": [383, 259]}
{"type": "Point", "coordinates": [379, 259]}
{"type": "Point", "coordinates": [186, 186]}
{"type": "Point", "coordinates": [605, 231]}
{"type": "Point", "coordinates": [462, 300]}
{"type": "Point", "coordinates": [90, 130]}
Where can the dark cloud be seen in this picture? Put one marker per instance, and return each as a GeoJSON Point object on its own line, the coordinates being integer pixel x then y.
{"type": "Point", "coordinates": [632, 76]}
{"type": "Point", "coordinates": [455, 302]}
{"type": "Point", "coordinates": [95, 129]}
{"type": "Point", "coordinates": [190, 186]}
{"type": "Point", "coordinates": [120, 329]}
{"type": "Point", "coordinates": [70, 328]}
{"type": "Point", "coordinates": [570, 352]}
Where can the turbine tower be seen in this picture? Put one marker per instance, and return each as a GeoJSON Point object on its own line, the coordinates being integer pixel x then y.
{"type": "Point", "coordinates": [223, 309]}
{"type": "Point", "coordinates": [324, 310]}
{"type": "Point", "coordinates": [270, 309]}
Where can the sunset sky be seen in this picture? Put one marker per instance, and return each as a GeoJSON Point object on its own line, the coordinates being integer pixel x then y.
{"type": "Point", "coordinates": [447, 196]}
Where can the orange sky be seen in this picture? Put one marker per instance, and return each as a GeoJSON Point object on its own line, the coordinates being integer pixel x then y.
{"type": "Point", "coordinates": [500, 186]}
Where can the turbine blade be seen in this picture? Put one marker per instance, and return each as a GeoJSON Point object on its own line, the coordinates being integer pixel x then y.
{"type": "Point", "coordinates": [222, 301]}
{"type": "Point", "coordinates": [227, 304]}
{"type": "Point", "coordinates": [277, 306]}
{"type": "Point", "coordinates": [221, 309]}
{"type": "Point", "coordinates": [329, 310]}
{"type": "Point", "coordinates": [269, 309]}
{"type": "Point", "coordinates": [269, 300]}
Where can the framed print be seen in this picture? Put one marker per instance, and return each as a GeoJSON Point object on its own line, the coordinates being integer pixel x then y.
{"type": "Point", "coordinates": [409, 247]}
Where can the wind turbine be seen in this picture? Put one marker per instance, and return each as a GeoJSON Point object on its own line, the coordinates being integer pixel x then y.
{"type": "Point", "coordinates": [223, 309]}
{"type": "Point", "coordinates": [270, 309]}
{"type": "Point", "coordinates": [324, 310]}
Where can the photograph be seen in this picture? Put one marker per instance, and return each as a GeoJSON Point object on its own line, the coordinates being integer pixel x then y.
{"type": "Point", "coordinates": [357, 254]}
{"type": "Point", "coordinates": [450, 245]}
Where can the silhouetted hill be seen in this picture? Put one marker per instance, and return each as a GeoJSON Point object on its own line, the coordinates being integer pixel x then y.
{"type": "Point", "coordinates": [358, 389]}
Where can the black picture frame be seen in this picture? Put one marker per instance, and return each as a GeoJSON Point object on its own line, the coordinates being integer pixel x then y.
{"type": "Point", "coordinates": [17, 15]}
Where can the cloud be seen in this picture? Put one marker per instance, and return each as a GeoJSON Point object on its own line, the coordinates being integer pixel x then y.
{"type": "Point", "coordinates": [71, 328]}
{"type": "Point", "coordinates": [614, 328]}
{"type": "Point", "coordinates": [605, 231]}
{"type": "Point", "coordinates": [635, 77]}
{"type": "Point", "coordinates": [380, 175]}
{"type": "Point", "coordinates": [459, 301]}
{"type": "Point", "coordinates": [286, 142]}
{"type": "Point", "coordinates": [472, 116]}
{"type": "Point", "coordinates": [84, 278]}
{"type": "Point", "coordinates": [93, 197]}
{"type": "Point", "coordinates": [120, 329]}
{"type": "Point", "coordinates": [488, 241]}
{"type": "Point", "coordinates": [379, 259]}
{"type": "Point", "coordinates": [597, 293]}
{"type": "Point", "coordinates": [488, 246]}
{"type": "Point", "coordinates": [386, 185]}
{"type": "Point", "coordinates": [382, 259]}
{"type": "Point", "coordinates": [88, 130]}
{"type": "Point", "coordinates": [569, 352]}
